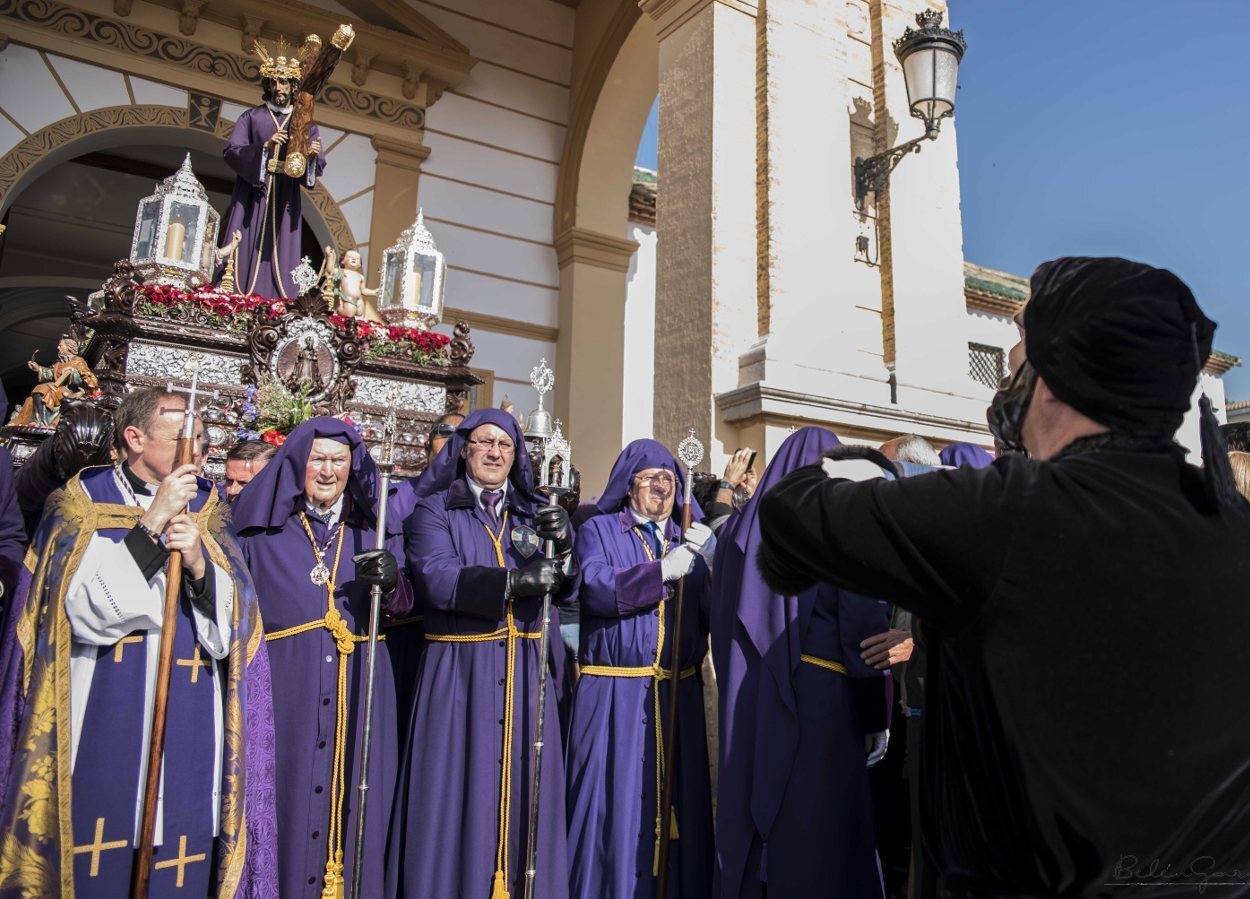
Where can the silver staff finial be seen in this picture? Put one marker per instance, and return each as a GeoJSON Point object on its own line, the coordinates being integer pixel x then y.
{"type": "Point", "coordinates": [690, 451]}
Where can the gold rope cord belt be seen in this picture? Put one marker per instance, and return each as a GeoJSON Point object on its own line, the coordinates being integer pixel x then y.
{"type": "Point", "coordinates": [827, 664]}
{"type": "Point", "coordinates": [499, 888]}
{"type": "Point", "coordinates": [657, 673]}
{"type": "Point", "coordinates": [345, 642]}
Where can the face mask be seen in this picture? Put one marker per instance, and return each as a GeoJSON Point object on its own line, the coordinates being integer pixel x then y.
{"type": "Point", "coordinates": [1007, 410]}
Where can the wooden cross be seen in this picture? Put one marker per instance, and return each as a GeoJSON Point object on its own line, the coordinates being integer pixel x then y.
{"type": "Point", "coordinates": [195, 663]}
{"type": "Point", "coordinates": [120, 647]}
{"type": "Point", "coordinates": [99, 846]}
{"type": "Point", "coordinates": [181, 861]}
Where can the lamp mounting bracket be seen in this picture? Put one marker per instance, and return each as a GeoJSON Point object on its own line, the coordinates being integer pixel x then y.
{"type": "Point", "coordinates": [873, 173]}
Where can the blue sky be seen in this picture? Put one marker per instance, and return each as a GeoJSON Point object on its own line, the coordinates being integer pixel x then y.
{"type": "Point", "coordinates": [1107, 128]}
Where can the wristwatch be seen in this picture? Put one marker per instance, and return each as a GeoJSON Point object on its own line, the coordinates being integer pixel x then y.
{"type": "Point", "coordinates": [725, 485]}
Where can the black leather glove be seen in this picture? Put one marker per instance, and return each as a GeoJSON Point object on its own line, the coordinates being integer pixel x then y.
{"type": "Point", "coordinates": [552, 523]}
{"type": "Point", "coordinates": [536, 578]}
{"type": "Point", "coordinates": [378, 567]}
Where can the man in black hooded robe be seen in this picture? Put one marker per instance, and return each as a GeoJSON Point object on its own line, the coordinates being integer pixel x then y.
{"type": "Point", "coordinates": [1086, 605]}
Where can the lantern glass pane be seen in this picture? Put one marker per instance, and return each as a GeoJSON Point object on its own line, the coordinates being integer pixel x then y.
{"type": "Point", "coordinates": [182, 243]}
{"type": "Point", "coordinates": [945, 80]}
{"type": "Point", "coordinates": [423, 269]}
{"type": "Point", "coordinates": [918, 72]}
{"type": "Point", "coordinates": [149, 214]}
{"type": "Point", "coordinates": [392, 277]}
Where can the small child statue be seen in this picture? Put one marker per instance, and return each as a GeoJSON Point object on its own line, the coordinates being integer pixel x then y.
{"type": "Point", "coordinates": [347, 282]}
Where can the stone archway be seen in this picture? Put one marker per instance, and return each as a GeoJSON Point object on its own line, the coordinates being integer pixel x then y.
{"type": "Point", "coordinates": [118, 125]}
{"type": "Point", "coordinates": [608, 112]}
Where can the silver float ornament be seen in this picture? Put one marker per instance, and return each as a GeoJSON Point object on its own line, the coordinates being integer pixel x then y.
{"type": "Point", "coordinates": [410, 291]}
{"type": "Point", "coordinates": [176, 232]}
{"type": "Point", "coordinates": [538, 429]}
{"type": "Point", "coordinates": [304, 276]}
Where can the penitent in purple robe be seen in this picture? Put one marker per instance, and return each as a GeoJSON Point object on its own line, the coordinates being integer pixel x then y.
{"type": "Point", "coordinates": [459, 782]}
{"type": "Point", "coordinates": [314, 680]}
{"type": "Point", "coordinates": [612, 750]}
{"type": "Point", "coordinates": [265, 207]}
{"type": "Point", "coordinates": [794, 808]}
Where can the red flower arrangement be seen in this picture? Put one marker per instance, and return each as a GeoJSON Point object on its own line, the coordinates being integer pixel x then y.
{"type": "Point", "coordinates": [233, 312]}
{"type": "Point", "coordinates": [274, 436]}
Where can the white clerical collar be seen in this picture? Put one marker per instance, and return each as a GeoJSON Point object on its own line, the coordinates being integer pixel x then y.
{"type": "Point", "coordinates": [478, 488]}
{"type": "Point", "coordinates": [279, 110]}
{"type": "Point", "coordinates": [642, 519]}
{"type": "Point", "coordinates": [336, 510]}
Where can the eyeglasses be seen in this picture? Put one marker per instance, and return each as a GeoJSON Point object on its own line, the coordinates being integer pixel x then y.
{"type": "Point", "coordinates": [656, 480]}
{"type": "Point", "coordinates": [500, 444]}
{"type": "Point", "coordinates": [443, 430]}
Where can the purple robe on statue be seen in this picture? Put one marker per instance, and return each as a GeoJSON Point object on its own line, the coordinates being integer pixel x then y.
{"type": "Point", "coordinates": [446, 838]}
{"type": "Point", "coordinates": [319, 673]}
{"type": "Point", "coordinates": [71, 773]}
{"type": "Point", "coordinates": [265, 206]}
{"type": "Point", "coordinates": [613, 781]}
{"type": "Point", "coordinates": [794, 809]}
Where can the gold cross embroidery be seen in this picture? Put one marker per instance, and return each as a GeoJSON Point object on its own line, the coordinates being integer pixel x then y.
{"type": "Point", "coordinates": [120, 646]}
{"type": "Point", "coordinates": [99, 846]}
{"type": "Point", "coordinates": [181, 861]}
{"type": "Point", "coordinates": [195, 664]}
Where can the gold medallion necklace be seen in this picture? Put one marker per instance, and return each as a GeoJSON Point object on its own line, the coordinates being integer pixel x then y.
{"type": "Point", "coordinates": [320, 574]}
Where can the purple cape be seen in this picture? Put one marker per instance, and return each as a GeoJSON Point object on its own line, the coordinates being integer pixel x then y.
{"type": "Point", "coordinates": [447, 466]}
{"type": "Point", "coordinates": [265, 207]}
{"type": "Point", "coordinates": [794, 810]}
{"type": "Point", "coordinates": [316, 680]}
{"type": "Point", "coordinates": [454, 796]}
{"type": "Point", "coordinates": [639, 455]}
{"type": "Point", "coordinates": [612, 746]}
{"type": "Point", "coordinates": [276, 492]}
{"type": "Point", "coordinates": [35, 720]}
{"type": "Point", "coordinates": [958, 454]}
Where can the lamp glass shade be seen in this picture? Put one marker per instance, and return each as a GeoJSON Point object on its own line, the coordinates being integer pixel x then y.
{"type": "Point", "coordinates": [932, 73]}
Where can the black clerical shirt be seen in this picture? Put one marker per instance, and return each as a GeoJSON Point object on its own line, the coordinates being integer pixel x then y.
{"type": "Point", "coordinates": [1088, 620]}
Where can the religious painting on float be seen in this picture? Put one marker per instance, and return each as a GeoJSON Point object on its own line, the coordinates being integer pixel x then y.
{"type": "Point", "coordinates": [305, 360]}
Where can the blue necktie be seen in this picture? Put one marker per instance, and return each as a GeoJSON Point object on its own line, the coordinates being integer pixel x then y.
{"type": "Point", "coordinates": [653, 536]}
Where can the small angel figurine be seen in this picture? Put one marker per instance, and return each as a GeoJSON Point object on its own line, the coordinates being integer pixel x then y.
{"type": "Point", "coordinates": [347, 282]}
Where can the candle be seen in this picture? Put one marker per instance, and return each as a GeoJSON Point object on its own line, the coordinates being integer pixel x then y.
{"type": "Point", "coordinates": [175, 237]}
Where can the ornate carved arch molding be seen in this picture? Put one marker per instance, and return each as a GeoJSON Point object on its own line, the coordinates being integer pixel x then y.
{"type": "Point", "coordinates": [54, 144]}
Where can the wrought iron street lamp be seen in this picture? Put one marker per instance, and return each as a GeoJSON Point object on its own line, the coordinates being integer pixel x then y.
{"type": "Point", "coordinates": [930, 58]}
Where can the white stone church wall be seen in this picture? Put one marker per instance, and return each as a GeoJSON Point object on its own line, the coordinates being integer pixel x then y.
{"type": "Point", "coordinates": [488, 187]}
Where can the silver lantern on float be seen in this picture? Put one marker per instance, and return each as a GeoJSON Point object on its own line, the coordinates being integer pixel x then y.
{"type": "Point", "coordinates": [176, 232]}
{"type": "Point", "coordinates": [411, 284]}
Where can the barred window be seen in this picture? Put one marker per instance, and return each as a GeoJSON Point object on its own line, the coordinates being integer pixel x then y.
{"type": "Point", "coordinates": [986, 364]}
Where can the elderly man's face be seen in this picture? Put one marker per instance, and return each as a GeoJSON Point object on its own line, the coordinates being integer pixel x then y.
{"type": "Point", "coordinates": [488, 456]}
{"type": "Point", "coordinates": [325, 477]}
{"type": "Point", "coordinates": [653, 492]}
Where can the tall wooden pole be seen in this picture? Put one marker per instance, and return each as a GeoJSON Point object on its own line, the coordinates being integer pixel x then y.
{"type": "Point", "coordinates": [690, 452]}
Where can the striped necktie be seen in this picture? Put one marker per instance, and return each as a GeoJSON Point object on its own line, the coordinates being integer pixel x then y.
{"type": "Point", "coordinates": [490, 502]}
